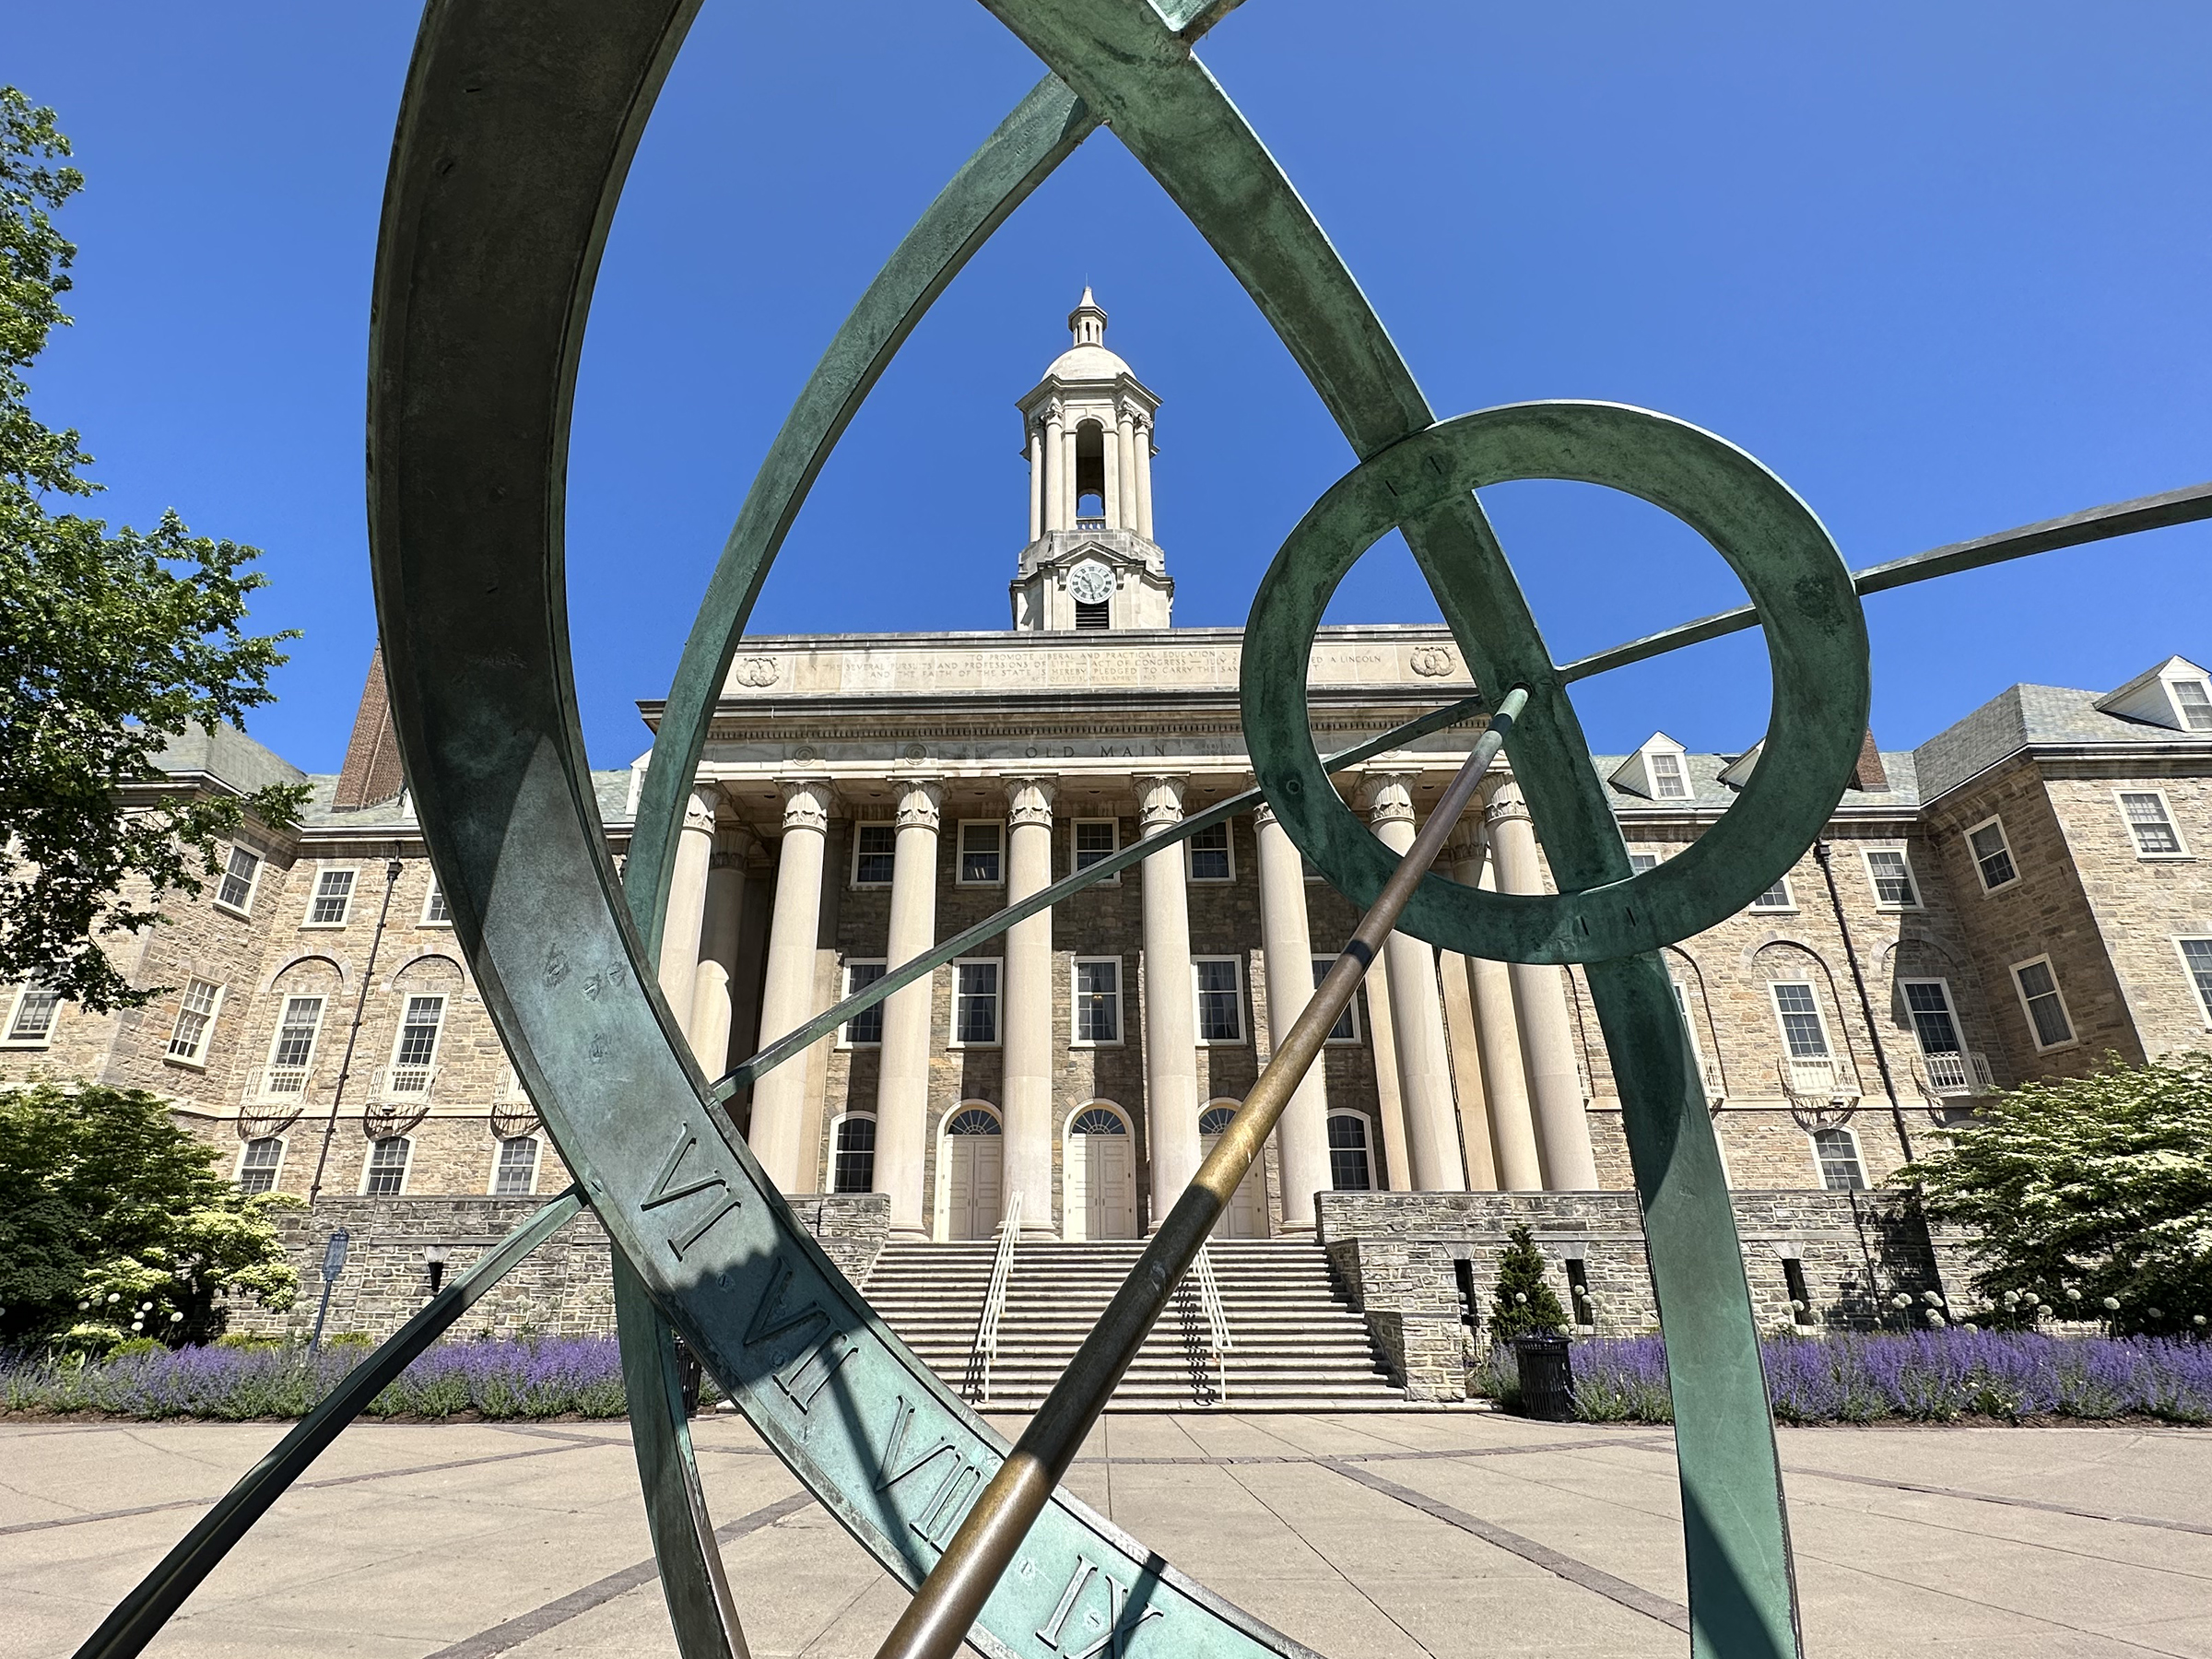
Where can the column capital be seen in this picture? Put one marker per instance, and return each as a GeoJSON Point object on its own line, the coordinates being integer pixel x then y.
{"type": "Point", "coordinates": [806, 802]}
{"type": "Point", "coordinates": [699, 803]}
{"type": "Point", "coordinates": [920, 803]}
{"type": "Point", "coordinates": [733, 845]}
{"type": "Point", "coordinates": [1501, 802]}
{"type": "Point", "coordinates": [1389, 793]}
{"type": "Point", "coordinates": [1050, 415]}
{"type": "Point", "coordinates": [1029, 799]}
{"type": "Point", "coordinates": [1159, 799]}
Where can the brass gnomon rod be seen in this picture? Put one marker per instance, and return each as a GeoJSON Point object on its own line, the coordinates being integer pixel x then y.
{"type": "Point", "coordinates": [952, 1597]}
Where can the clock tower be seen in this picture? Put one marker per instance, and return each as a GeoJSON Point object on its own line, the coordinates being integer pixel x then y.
{"type": "Point", "coordinates": [1087, 432]}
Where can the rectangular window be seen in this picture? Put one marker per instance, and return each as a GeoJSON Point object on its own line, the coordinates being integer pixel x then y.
{"type": "Point", "coordinates": [852, 1167]}
{"type": "Point", "coordinates": [1098, 999]}
{"type": "Point", "coordinates": [418, 1045]}
{"type": "Point", "coordinates": [1837, 1155]}
{"type": "Point", "coordinates": [875, 854]}
{"type": "Point", "coordinates": [1776, 898]}
{"type": "Point", "coordinates": [974, 1002]}
{"type": "Point", "coordinates": [31, 1024]}
{"type": "Point", "coordinates": [436, 912]}
{"type": "Point", "coordinates": [196, 1019]}
{"type": "Point", "coordinates": [864, 1030]}
{"type": "Point", "coordinates": [1577, 1291]}
{"type": "Point", "coordinates": [2195, 702]}
{"type": "Point", "coordinates": [236, 892]}
{"type": "Point", "coordinates": [2046, 1008]}
{"type": "Point", "coordinates": [2196, 961]}
{"type": "Point", "coordinates": [1667, 782]}
{"type": "Point", "coordinates": [293, 1049]}
{"type": "Point", "coordinates": [1993, 856]}
{"type": "Point", "coordinates": [1350, 1169]}
{"type": "Point", "coordinates": [1346, 1029]}
{"type": "Point", "coordinates": [1220, 988]}
{"type": "Point", "coordinates": [1096, 840]}
{"type": "Point", "coordinates": [1640, 862]}
{"type": "Point", "coordinates": [258, 1162]}
{"type": "Point", "coordinates": [1801, 1296]}
{"type": "Point", "coordinates": [515, 1174]}
{"type": "Point", "coordinates": [1929, 1003]}
{"type": "Point", "coordinates": [1209, 854]}
{"type": "Point", "coordinates": [333, 898]}
{"type": "Point", "coordinates": [1801, 1027]}
{"type": "Point", "coordinates": [386, 1176]}
{"type": "Point", "coordinates": [2150, 824]}
{"type": "Point", "coordinates": [1892, 876]}
{"type": "Point", "coordinates": [982, 853]}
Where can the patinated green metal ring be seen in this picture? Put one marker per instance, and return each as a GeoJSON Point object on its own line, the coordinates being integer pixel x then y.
{"type": "Point", "coordinates": [1816, 642]}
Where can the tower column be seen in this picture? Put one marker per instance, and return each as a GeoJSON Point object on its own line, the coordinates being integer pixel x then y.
{"type": "Point", "coordinates": [1144, 478]}
{"type": "Point", "coordinates": [1463, 861]}
{"type": "Point", "coordinates": [1110, 468]}
{"type": "Point", "coordinates": [1540, 1000]}
{"type": "Point", "coordinates": [687, 911]}
{"type": "Point", "coordinates": [1069, 496]}
{"type": "Point", "coordinates": [1033, 443]}
{"type": "Point", "coordinates": [902, 1079]}
{"type": "Point", "coordinates": [1030, 989]}
{"type": "Point", "coordinates": [787, 996]}
{"type": "Point", "coordinates": [1416, 1015]}
{"type": "Point", "coordinates": [1049, 440]}
{"type": "Point", "coordinates": [1170, 1025]}
{"type": "Point", "coordinates": [1302, 1139]}
{"type": "Point", "coordinates": [1125, 431]}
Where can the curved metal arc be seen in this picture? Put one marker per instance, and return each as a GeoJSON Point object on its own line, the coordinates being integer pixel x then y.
{"type": "Point", "coordinates": [2076, 529]}
{"type": "Point", "coordinates": [138, 1618]}
{"type": "Point", "coordinates": [796, 1041]}
{"type": "Point", "coordinates": [1182, 128]}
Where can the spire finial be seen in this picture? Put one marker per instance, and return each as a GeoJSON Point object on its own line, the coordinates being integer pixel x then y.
{"type": "Point", "coordinates": [1087, 322]}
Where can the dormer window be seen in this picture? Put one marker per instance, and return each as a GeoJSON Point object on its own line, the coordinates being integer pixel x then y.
{"type": "Point", "coordinates": [1658, 771]}
{"type": "Point", "coordinates": [2177, 695]}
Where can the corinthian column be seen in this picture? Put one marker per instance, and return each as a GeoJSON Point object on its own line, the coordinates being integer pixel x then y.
{"type": "Point", "coordinates": [687, 913]}
{"type": "Point", "coordinates": [1417, 1016]}
{"type": "Point", "coordinates": [1144, 478]}
{"type": "Point", "coordinates": [1540, 999]}
{"type": "Point", "coordinates": [1462, 861]}
{"type": "Point", "coordinates": [711, 1011]}
{"type": "Point", "coordinates": [1303, 1139]}
{"type": "Point", "coordinates": [1029, 990]}
{"type": "Point", "coordinates": [903, 1081]}
{"type": "Point", "coordinates": [787, 997]}
{"type": "Point", "coordinates": [1054, 469]}
{"type": "Point", "coordinates": [1125, 428]}
{"type": "Point", "coordinates": [1110, 468]}
{"type": "Point", "coordinates": [1504, 1078]}
{"type": "Point", "coordinates": [1036, 449]}
{"type": "Point", "coordinates": [1170, 1034]}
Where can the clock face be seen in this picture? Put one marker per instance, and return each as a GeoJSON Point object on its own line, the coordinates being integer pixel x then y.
{"type": "Point", "coordinates": [1092, 583]}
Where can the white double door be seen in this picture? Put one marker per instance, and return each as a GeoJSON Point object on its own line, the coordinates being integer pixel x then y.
{"type": "Point", "coordinates": [974, 1180]}
{"type": "Point", "coordinates": [1246, 1217]}
{"type": "Point", "coordinates": [1099, 1179]}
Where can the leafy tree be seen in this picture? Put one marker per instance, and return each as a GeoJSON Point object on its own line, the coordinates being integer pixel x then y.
{"type": "Point", "coordinates": [1525, 1305]}
{"type": "Point", "coordinates": [109, 644]}
{"type": "Point", "coordinates": [113, 1224]}
{"type": "Point", "coordinates": [2089, 1189]}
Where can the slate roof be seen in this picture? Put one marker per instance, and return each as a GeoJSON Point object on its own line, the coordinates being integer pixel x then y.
{"type": "Point", "coordinates": [2022, 716]}
{"type": "Point", "coordinates": [1708, 794]}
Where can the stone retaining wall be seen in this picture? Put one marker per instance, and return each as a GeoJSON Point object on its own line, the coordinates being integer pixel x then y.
{"type": "Point", "coordinates": [1396, 1255]}
{"type": "Point", "coordinates": [564, 1288]}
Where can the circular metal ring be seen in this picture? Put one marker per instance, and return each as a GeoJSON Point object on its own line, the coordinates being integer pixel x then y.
{"type": "Point", "coordinates": [1816, 642]}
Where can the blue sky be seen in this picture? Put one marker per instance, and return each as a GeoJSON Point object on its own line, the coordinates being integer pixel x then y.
{"type": "Point", "coordinates": [1943, 268]}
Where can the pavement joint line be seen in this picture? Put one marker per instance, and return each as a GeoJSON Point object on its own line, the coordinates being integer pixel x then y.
{"type": "Point", "coordinates": [551, 1615]}
{"type": "Point", "coordinates": [1634, 1597]}
{"type": "Point", "coordinates": [298, 1486]}
{"type": "Point", "coordinates": [1970, 1496]}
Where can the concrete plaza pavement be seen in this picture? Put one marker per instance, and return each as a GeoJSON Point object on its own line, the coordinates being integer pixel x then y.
{"type": "Point", "coordinates": [1447, 1534]}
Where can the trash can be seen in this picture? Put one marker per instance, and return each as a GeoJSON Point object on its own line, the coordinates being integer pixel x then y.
{"type": "Point", "coordinates": [1547, 1378]}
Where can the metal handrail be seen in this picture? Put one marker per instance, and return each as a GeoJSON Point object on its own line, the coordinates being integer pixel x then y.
{"type": "Point", "coordinates": [985, 1354]}
{"type": "Point", "coordinates": [1216, 1316]}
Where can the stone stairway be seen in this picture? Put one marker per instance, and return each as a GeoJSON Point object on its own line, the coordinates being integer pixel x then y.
{"type": "Point", "coordinates": [1295, 1345]}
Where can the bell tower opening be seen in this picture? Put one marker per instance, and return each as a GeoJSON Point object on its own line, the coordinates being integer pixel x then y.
{"type": "Point", "coordinates": [1091, 476]}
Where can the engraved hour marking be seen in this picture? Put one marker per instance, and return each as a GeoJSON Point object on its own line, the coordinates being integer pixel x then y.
{"type": "Point", "coordinates": [1120, 1627]}
{"type": "Point", "coordinates": [809, 1370]}
{"type": "Point", "coordinates": [665, 1192]}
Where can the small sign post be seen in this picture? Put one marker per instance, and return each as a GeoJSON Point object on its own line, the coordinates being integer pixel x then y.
{"type": "Point", "coordinates": [334, 1264]}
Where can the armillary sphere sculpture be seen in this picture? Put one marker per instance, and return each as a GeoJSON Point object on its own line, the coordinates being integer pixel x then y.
{"type": "Point", "coordinates": [518, 122]}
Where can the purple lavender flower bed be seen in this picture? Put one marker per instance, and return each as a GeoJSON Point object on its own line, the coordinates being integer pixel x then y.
{"type": "Point", "coordinates": [1923, 1376]}
{"type": "Point", "coordinates": [502, 1379]}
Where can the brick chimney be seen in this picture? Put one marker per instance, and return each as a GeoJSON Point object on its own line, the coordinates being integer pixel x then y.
{"type": "Point", "coordinates": [1869, 773]}
{"type": "Point", "coordinates": [372, 774]}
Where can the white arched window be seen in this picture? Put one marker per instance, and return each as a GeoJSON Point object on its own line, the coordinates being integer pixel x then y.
{"type": "Point", "coordinates": [852, 1155]}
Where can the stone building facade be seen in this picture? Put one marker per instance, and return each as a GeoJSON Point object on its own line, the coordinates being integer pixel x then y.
{"type": "Point", "coordinates": [2012, 899]}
